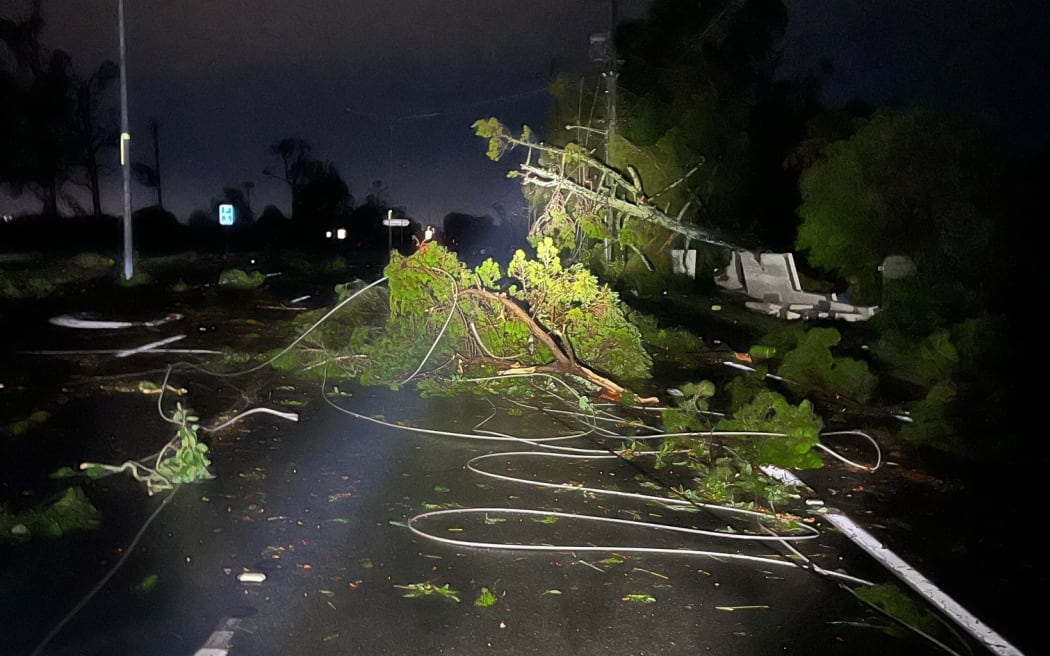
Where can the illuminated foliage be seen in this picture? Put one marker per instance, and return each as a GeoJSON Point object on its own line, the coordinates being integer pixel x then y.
{"type": "Point", "coordinates": [768, 412]}
{"type": "Point", "coordinates": [572, 304]}
{"type": "Point", "coordinates": [446, 320]}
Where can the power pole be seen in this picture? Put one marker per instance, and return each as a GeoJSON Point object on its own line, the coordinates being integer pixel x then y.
{"type": "Point", "coordinates": [610, 77]}
{"type": "Point", "coordinates": [611, 73]}
{"type": "Point", "coordinates": [155, 129]}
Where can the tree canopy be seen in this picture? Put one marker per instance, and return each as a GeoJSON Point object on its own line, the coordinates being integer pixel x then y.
{"type": "Point", "coordinates": [52, 121]}
{"type": "Point", "coordinates": [906, 183]}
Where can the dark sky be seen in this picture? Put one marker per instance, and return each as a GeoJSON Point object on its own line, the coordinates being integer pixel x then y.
{"type": "Point", "coordinates": [226, 78]}
{"type": "Point", "coordinates": [989, 58]}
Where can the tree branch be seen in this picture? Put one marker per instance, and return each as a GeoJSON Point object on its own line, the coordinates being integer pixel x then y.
{"type": "Point", "coordinates": [541, 177]}
{"type": "Point", "coordinates": [562, 364]}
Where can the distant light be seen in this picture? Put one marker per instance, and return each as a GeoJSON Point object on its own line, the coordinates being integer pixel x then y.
{"type": "Point", "coordinates": [328, 234]}
{"type": "Point", "coordinates": [340, 233]}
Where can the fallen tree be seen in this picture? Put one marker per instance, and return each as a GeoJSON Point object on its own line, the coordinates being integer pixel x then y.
{"type": "Point", "coordinates": [587, 186]}
{"type": "Point", "coordinates": [444, 320]}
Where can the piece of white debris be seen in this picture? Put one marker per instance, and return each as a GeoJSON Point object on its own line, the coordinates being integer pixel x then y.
{"type": "Point", "coordinates": [251, 577]}
{"type": "Point", "coordinates": [91, 322]}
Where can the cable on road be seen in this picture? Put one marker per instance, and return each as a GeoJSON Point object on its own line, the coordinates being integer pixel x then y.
{"type": "Point", "coordinates": [550, 447]}
{"type": "Point", "coordinates": [98, 586]}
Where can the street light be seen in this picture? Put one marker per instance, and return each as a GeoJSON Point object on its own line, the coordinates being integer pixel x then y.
{"type": "Point", "coordinates": [125, 147]}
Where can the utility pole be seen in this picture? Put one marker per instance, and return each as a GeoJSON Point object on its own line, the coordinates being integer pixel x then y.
{"type": "Point", "coordinates": [155, 129]}
{"type": "Point", "coordinates": [611, 76]}
{"type": "Point", "coordinates": [125, 147]}
{"type": "Point", "coordinates": [611, 73]}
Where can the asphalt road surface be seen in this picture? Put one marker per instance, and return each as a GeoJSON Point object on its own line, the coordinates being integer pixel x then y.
{"type": "Point", "coordinates": [382, 523]}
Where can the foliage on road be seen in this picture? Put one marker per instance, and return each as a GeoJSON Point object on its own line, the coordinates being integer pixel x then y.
{"type": "Point", "coordinates": [23, 426]}
{"type": "Point", "coordinates": [241, 279]}
{"type": "Point", "coordinates": [71, 512]}
{"type": "Point", "coordinates": [429, 589]}
{"type": "Point", "coordinates": [38, 282]}
{"type": "Point", "coordinates": [182, 460]}
{"type": "Point", "coordinates": [806, 358]}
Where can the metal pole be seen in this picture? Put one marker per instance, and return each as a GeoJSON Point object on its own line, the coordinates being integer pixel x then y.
{"type": "Point", "coordinates": [125, 148]}
{"type": "Point", "coordinates": [389, 158]}
{"type": "Point", "coordinates": [610, 127]}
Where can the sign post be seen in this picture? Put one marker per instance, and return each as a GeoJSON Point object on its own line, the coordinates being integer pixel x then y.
{"type": "Point", "coordinates": [227, 217]}
{"type": "Point", "coordinates": [390, 222]}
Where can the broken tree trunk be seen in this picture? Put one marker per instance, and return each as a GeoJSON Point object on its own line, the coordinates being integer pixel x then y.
{"type": "Point", "coordinates": [563, 364]}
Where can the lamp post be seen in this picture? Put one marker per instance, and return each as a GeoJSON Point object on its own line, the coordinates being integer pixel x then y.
{"type": "Point", "coordinates": [125, 148]}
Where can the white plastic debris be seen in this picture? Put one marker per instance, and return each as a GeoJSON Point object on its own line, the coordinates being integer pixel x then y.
{"type": "Point", "coordinates": [251, 577]}
{"type": "Point", "coordinates": [89, 322]}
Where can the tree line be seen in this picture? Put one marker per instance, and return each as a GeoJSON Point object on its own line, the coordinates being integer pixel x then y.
{"type": "Point", "coordinates": [60, 128]}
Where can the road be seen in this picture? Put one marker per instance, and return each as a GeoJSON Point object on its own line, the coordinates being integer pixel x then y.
{"type": "Point", "coordinates": [342, 510]}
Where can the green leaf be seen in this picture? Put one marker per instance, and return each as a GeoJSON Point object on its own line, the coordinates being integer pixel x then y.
{"type": "Point", "coordinates": [639, 598]}
{"type": "Point", "coordinates": [485, 598]}
{"type": "Point", "coordinates": [147, 584]}
{"type": "Point", "coordinates": [94, 471]}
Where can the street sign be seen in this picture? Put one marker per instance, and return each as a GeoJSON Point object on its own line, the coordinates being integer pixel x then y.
{"type": "Point", "coordinates": [227, 214]}
{"type": "Point", "coordinates": [396, 223]}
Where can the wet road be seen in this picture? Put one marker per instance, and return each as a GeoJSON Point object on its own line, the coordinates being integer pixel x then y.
{"type": "Point", "coordinates": [343, 516]}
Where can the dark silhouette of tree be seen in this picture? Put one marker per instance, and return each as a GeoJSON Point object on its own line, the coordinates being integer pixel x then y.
{"type": "Point", "coordinates": [157, 229]}
{"type": "Point", "coordinates": [320, 196]}
{"type": "Point", "coordinates": [248, 185]}
{"type": "Point", "coordinates": [204, 229]}
{"type": "Point", "coordinates": [324, 198]}
{"type": "Point", "coordinates": [293, 152]}
{"type": "Point", "coordinates": [272, 227]}
{"type": "Point", "coordinates": [22, 39]}
{"type": "Point", "coordinates": [38, 110]}
{"type": "Point", "coordinates": [149, 176]}
{"type": "Point", "coordinates": [366, 223]}
{"type": "Point", "coordinates": [94, 128]}
{"type": "Point", "coordinates": [778, 124]}
{"type": "Point", "coordinates": [50, 121]}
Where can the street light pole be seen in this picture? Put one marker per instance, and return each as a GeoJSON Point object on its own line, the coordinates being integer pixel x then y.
{"type": "Point", "coordinates": [125, 147]}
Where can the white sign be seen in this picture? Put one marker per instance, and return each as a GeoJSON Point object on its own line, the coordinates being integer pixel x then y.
{"type": "Point", "coordinates": [396, 223]}
{"type": "Point", "coordinates": [227, 214]}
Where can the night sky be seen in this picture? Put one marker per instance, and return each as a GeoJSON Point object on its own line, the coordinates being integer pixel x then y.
{"type": "Point", "coordinates": [227, 78]}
